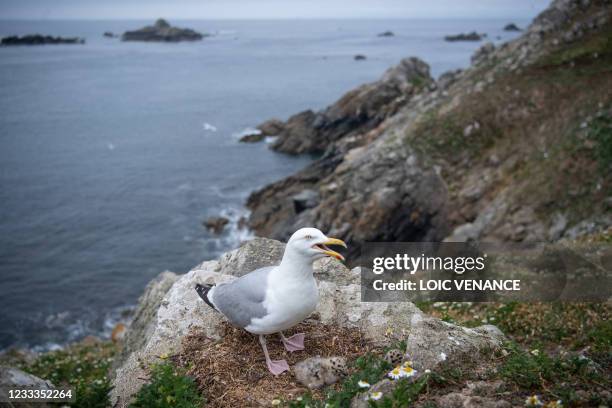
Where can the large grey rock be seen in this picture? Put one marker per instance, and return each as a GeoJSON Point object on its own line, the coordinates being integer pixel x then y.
{"type": "Point", "coordinates": [433, 342]}
{"type": "Point", "coordinates": [13, 378]}
{"type": "Point", "coordinates": [160, 332]}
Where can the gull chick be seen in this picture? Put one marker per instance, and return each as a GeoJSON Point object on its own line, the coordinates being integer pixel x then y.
{"type": "Point", "coordinates": [275, 298]}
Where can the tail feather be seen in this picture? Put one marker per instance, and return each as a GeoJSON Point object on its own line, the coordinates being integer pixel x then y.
{"type": "Point", "coordinates": [203, 292]}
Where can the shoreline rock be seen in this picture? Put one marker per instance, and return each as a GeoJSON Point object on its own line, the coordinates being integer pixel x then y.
{"type": "Point", "coordinates": [216, 224]}
{"type": "Point", "coordinates": [38, 39]}
{"type": "Point", "coordinates": [162, 31]}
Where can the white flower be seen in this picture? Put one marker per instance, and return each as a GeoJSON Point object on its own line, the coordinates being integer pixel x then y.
{"type": "Point", "coordinates": [407, 371]}
{"type": "Point", "coordinates": [375, 396]}
{"type": "Point", "coordinates": [298, 399]}
{"type": "Point", "coordinates": [428, 371]}
{"type": "Point", "coordinates": [395, 373]}
{"type": "Point", "coordinates": [533, 401]}
{"type": "Point", "coordinates": [442, 356]}
{"type": "Point", "coordinates": [363, 384]}
{"type": "Point", "coordinates": [535, 352]}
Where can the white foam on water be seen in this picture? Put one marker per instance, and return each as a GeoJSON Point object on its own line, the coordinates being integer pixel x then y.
{"type": "Point", "coordinates": [209, 127]}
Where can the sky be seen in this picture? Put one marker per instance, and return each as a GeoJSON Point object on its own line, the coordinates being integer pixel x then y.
{"type": "Point", "coordinates": [272, 9]}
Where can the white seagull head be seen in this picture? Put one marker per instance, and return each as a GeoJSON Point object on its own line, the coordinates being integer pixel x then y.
{"type": "Point", "coordinates": [311, 244]}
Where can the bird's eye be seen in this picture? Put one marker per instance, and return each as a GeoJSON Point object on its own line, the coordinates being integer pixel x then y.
{"type": "Point", "coordinates": [308, 237]}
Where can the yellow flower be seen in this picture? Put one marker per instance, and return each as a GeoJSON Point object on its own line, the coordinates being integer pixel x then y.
{"type": "Point", "coordinates": [407, 363]}
{"type": "Point", "coordinates": [533, 401]}
{"type": "Point", "coordinates": [375, 396]}
{"type": "Point", "coordinates": [395, 373]}
{"type": "Point", "coordinates": [363, 384]}
{"type": "Point", "coordinates": [555, 404]}
{"type": "Point", "coordinates": [164, 356]}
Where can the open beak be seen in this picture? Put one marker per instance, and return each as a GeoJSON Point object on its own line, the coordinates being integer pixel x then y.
{"type": "Point", "coordinates": [322, 246]}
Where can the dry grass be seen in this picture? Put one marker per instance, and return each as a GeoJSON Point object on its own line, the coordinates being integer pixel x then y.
{"type": "Point", "coordinates": [231, 372]}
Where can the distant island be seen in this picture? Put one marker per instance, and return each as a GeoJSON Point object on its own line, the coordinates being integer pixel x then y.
{"type": "Point", "coordinates": [38, 39]}
{"type": "Point", "coordinates": [473, 36]}
{"type": "Point", "coordinates": [162, 31]}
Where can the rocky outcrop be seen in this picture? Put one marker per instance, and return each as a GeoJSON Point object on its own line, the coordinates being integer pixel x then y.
{"type": "Point", "coordinates": [162, 31]}
{"type": "Point", "coordinates": [165, 316]}
{"type": "Point", "coordinates": [443, 160]}
{"type": "Point", "coordinates": [357, 111]}
{"type": "Point", "coordinates": [473, 36]}
{"type": "Point", "coordinates": [37, 39]}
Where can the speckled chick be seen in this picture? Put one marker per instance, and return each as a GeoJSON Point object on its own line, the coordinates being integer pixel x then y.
{"type": "Point", "coordinates": [394, 357]}
{"type": "Point", "coordinates": [315, 372]}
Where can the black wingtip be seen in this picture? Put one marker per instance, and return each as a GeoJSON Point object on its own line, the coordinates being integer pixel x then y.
{"type": "Point", "coordinates": [203, 293]}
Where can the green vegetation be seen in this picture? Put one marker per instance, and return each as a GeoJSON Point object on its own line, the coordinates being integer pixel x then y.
{"type": "Point", "coordinates": [169, 387]}
{"type": "Point", "coordinates": [600, 132]}
{"type": "Point", "coordinates": [83, 367]}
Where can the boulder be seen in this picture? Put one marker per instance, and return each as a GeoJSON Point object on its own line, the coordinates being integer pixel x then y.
{"type": "Point", "coordinates": [433, 342]}
{"type": "Point", "coordinates": [216, 224]}
{"type": "Point", "coordinates": [162, 31]}
{"type": "Point", "coordinates": [13, 378]}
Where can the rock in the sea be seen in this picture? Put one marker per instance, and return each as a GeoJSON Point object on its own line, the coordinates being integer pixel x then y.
{"type": "Point", "coordinates": [12, 378]}
{"type": "Point", "coordinates": [109, 34]}
{"type": "Point", "coordinates": [37, 39]}
{"type": "Point", "coordinates": [216, 224]}
{"type": "Point", "coordinates": [386, 34]}
{"type": "Point", "coordinates": [511, 27]}
{"type": "Point", "coordinates": [162, 31]}
{"type": "Point", "coordinates": [316, 372]}
{"type": "Point", "coordinates": [253, 137]}
{"type": "Point", "coordinates": [359, 57]}
{"type": "Point", "coordinates": [473, 36]}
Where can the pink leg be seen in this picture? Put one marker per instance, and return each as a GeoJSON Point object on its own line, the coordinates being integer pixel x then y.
{"type": "Point", "coordinates": [293, 343]}
{"type": "Point", "coordinates": [276, 367]}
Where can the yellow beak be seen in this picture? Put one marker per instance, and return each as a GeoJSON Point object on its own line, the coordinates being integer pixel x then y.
{"type": "Point", "coordinates": [334, 254]}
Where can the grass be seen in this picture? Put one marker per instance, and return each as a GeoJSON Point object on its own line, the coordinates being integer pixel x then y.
{"type": "Point", "coordinates": [83, 367]}
{"type": "Point", "coordinates": [169, 387]}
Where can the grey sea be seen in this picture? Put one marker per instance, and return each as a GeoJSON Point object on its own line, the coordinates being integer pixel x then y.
{"type": "Point", "coordinates": [112, 153]}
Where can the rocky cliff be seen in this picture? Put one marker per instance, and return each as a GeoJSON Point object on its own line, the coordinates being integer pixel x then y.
{"type": "Point", "coordinates": [515, 148]}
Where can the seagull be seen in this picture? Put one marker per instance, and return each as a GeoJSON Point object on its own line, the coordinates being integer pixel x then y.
{"type": "Point", "coordinates": [275, 298]}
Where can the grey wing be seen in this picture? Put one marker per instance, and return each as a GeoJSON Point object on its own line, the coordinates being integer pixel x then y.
{"type": "Point", "coordinates": [241, 300]}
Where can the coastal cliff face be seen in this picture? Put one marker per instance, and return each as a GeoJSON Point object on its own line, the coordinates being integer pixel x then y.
{"type": "Point", "coordinates": [515, 148]}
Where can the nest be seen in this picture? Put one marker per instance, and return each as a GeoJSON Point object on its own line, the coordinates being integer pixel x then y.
{"type": "Point", "coordinates": [232, 372]}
